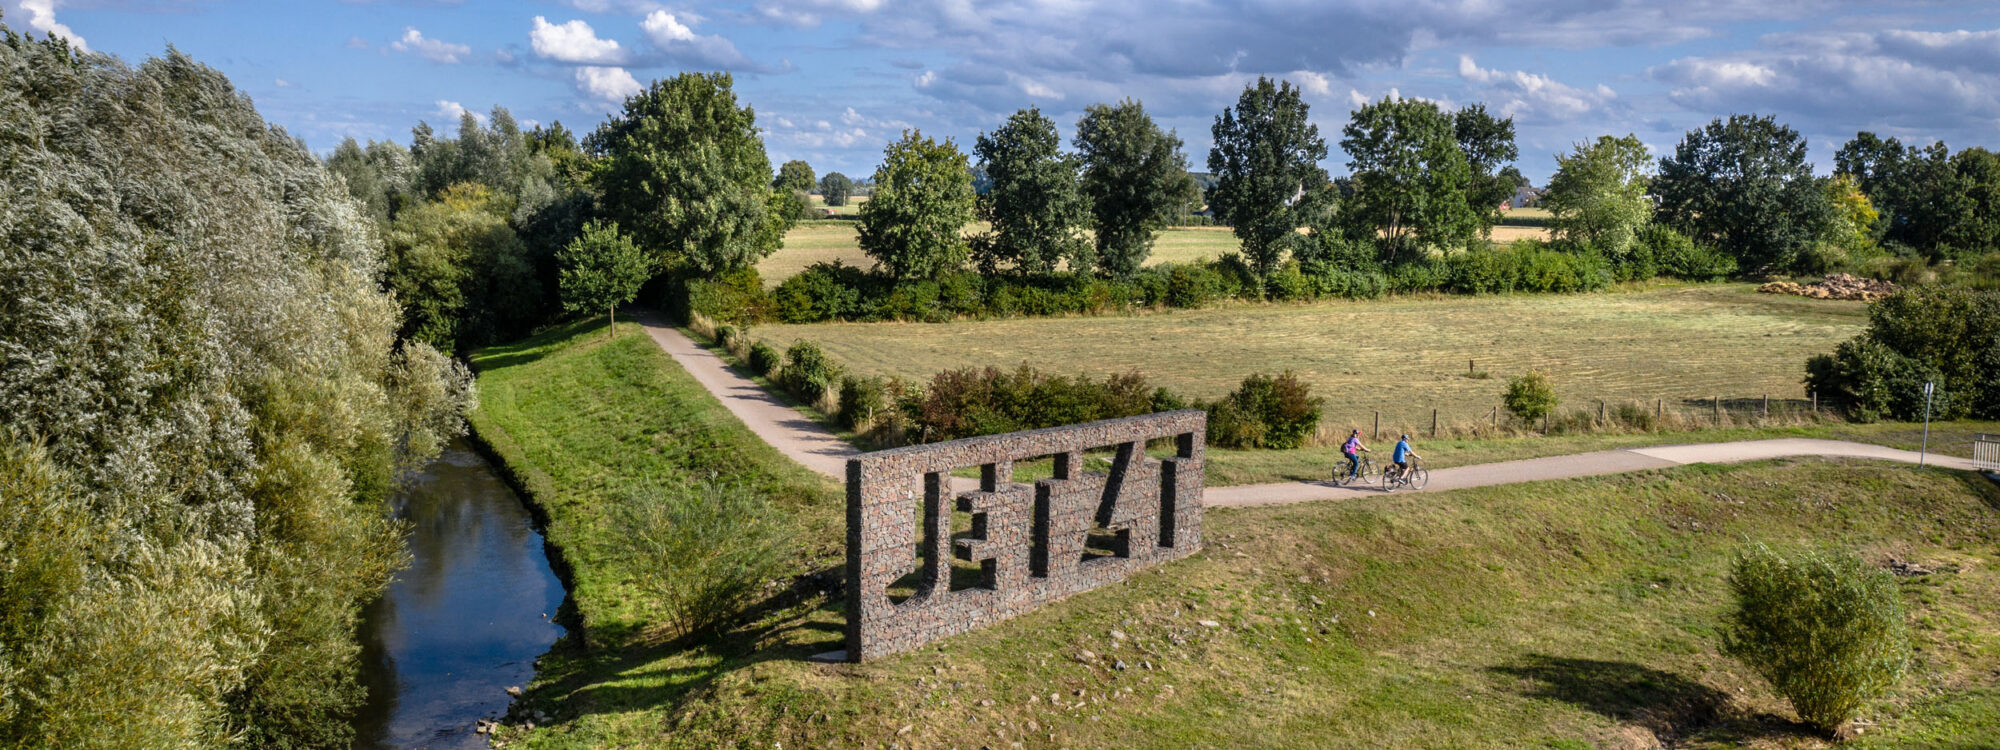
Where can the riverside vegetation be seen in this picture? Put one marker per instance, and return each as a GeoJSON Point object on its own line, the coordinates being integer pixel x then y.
{"type": "Point", "coordinates": [1574, 613]}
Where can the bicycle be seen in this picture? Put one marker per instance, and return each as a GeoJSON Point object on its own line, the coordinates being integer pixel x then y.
{"type": "Point", "coordinates": [1368, 473]}
{"type": "Point", "coordinates": [1416, 478]}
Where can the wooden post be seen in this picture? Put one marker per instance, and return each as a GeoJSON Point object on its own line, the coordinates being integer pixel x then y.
{"type": "Point", "coordinates": [1815, 397]}
{"type": "Point", "coordinates": [1496, 416]}
{"type": "Point", "coordinates": [1660, 411]}
{"type": "Point", "coordinates": [1718, 411]}
{"type": "Point", "coordinates": [1469, 369]}
{"type": "Point", "coordinates": [1378, 426]}
{"type": "Point", "coordinates": [1600, 411]}
{"type": "Point", "coordinates": [1767, 406]}
{"type": "Point", "coordinates": [1434, 423]}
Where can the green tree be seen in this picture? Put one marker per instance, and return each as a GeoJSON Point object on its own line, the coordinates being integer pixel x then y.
{"type": "Point", "coordinates": [686, 176]}
{"type": "Point", "coordinates": [461, 273]}
{"type": "Point", "coordinates": [914, 223]}
{"type": "Point", "coordinates": [1744, 186]}
{"type": "Point", "coordinates": [1135, 176]}
{"type": "Point", "coordinates": [835, 188]}
{"type": "Point", "coordinates": [1598, 193]}
{"type": "Point", "coordinates": [1977, 232]}
{"type": "Point", "coordinates": [1266, 165]}
{"type": "Point", "coordinates": [1410, 179]}
{"type": "Point", "coordinates": [1854, 216]}
{"type": "Point", "coordinates": [794, 175]}
{"type": "Point", "coordinates": [1488, 145]}
{"type": "Point", "coordinates": [602, 269]}
{"type": "Point", "coordinates": [1035, 208]}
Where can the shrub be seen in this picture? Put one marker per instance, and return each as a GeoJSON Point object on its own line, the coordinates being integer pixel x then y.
{"type": "Point", "coordinates": [809, 373]}
{"type": "Point", "coordinates": [1266, 412]}
{"type": "Point", "coordinates": [735, 297]}
{"type": "Point", "coordinates": [764, 360]}
{"type": "Point", "coordinates": [1679, 257]}
{"type": "Point", "coordinates": [861, 398]}
{"type": "Point", "coordinates": [1824, 629]}
{"type": "Point", "coordinates": [1932, 334]}
{"type": "Point", "coordinates": [703, 551]}
{"type": "Point", "coordinates": [1530, 397]}
{"type": "Point", "coordinates": [1192, 285]}
{"type": "Point", "coordinates": [725, 335]}
{"type": "Point", "coordinates": [972, 401]}
{"type": "Point", "coordinates": [824, 291]}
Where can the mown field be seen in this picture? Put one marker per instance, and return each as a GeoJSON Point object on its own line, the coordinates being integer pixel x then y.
{"type": "Point", "coordinates": [1568, 614]}
{"type": "Point", "coordinates": [1403, 356]}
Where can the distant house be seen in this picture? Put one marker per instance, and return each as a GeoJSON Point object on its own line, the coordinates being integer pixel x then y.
{"type": "Point", "coordinates": [1524, 196]}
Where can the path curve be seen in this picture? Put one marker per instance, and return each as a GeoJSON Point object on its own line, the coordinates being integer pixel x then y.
{"type": "Point", "coordinates": [813, 445]}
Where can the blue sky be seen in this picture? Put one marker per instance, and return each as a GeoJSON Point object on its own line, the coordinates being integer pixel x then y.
{"type": "Point", "coordinates": [834, 80]}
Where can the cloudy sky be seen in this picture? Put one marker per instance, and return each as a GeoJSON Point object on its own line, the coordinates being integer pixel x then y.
{"type": "Point", "coordinates": [834, 80]}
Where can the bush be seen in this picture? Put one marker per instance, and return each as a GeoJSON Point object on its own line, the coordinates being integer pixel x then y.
{"type": "Point", "coordinates": [1266, 412]}
{"type": "Point", "coordinates": [1825, 630]}
{"type": "Point", "coordinates": [824, 291]}
{"type": "Point", "coordinates": [734, 297]}
{"type": "Point", "coordinates": [809, 373]}
{"type": "Point", "coordinates": [1530, 397]}
{"type": "Point", "coordinates": [1192, 285]}
{"type": "Point", "coordinates": [971, 402]}
{"type": "Point", "coordinates": [1679, 257]}
{"type": "Point", "coordinates": [703, 551]}
{"type": "Point", "coordinates": [861, 398]}
{"type": "Point", "coordinates": [1923, 334]}
{"type": "Point", "coordinates": [764, 360]}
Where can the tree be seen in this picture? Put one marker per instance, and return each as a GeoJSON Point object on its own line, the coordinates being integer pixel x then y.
{"type": "Point", "coordinates": [1488, 145]}
{"type": "Point", "coordinates": [602, 269]}
{"type": "Point", "coordinates": [1034, 206]}
{"type": "Point", "coordinates": [1854, 216]}
{"type": "Point", "coordinates": [686, 176]}
{"type": "Point", "coordinates": [1745, 186]}
{"type": "Point", "coordinates": [834, 188]}
{"type": "Point", "coordinates": [914, 223]}
{"type": "Point", "coordinates": [1266, 161]}
{"type": "Point", "coordinates": [1598, 193]}
{"type": "Point", "coordinates": [794, 175]}
{"type": "Point", "coordinates": [1530, 397]}
{"type": "Point", "coordinates": [1978, 231]}
{"type": "Point", "coordinates": [1410, 179]}
{"type": "Point", "coordinates": [1825, 629]}
{"type": "Point", "coordinates": [1134, 175]}
{"type": "Point", "coordinates": [460, 272]}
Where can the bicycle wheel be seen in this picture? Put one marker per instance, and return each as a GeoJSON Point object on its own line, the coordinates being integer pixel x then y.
{"type": "Point", "coordinates": [1419, 476]}
{"type": "Point", "coordinates": [1340, 475]}
{"type": "Point", "coordinates": [1389, 483]}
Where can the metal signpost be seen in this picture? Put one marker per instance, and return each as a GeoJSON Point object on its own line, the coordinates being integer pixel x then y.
{"type": "Point", "coordinates": [1929, 388]}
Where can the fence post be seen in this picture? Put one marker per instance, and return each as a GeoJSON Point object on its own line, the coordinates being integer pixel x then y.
{"type": "Point", "coordinates": [1434, 423]}
{"type": "Point", "coordinates": [1767, 406]}
{"type": "Point", "coordinates": [1378, 426]}
{"type": "Point", "coordinates": [1815, 398]}
{"type": "Point", "coordinates": [1600, 411]}
{"type": "Point", "coordinates": [1718, 410]}
{"type": "Point", "coordinates": [1469, 368]}
{"type": "Point", "coordinates": [1495, 417]}
{"type": "Point", "coordinates": [1660, 411]}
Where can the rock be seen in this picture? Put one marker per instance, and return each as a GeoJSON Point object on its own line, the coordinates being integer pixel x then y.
{"type": "Point", "coordinates": [1118, 665]}
{"type": "Point", "coordinates": [1209, 624]}
{"type": "Point", "coordinates": [1086, 656]}
{"type": "Point", "coordinates": [905, 730]}
{"type": "Point", "coordinates": [514, 690]}
{"type": "Point", "coordinates": [987, 702]}
{"type": "Point", "coordinates": [1117, 635]}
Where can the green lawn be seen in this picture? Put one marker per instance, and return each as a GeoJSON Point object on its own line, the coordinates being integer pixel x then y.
{"type": "Point", "coordinates": [1565, 614]}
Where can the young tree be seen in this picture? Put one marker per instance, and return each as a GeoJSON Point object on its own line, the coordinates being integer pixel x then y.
{"type": "Point", "coordinates": [602, 269]}
{"type": "Point", "coordinates": [1744, 186]}
{"type": "Point", "coordinates": [1134, 175]}
{"type": "Point", "coordinates": [1266, 162]}
{"type": "Point", "coordinates": [1034, 205]}
{"type": "Point", "coordinates": [1854, 216]}
{"type": "Point", "coordinates": [1410, 179]}
{"type": "Point", "coordinates": [1488, 145]}
{"type": "Point", "coordinates": [914, 222]}
{"type": "Point", "coordinates": [686, 175]}
{"type": "Point", "coordinates": [835, 188]}
{"type": "Point", "coordinates": [1598, 193]}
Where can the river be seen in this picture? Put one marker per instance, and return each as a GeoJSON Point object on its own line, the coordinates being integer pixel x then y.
{"type": "Point", "coordinates": [466, 620]}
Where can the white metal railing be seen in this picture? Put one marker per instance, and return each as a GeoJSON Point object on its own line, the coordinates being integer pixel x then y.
{"type": "Point", "coordinates": [1986, 452]}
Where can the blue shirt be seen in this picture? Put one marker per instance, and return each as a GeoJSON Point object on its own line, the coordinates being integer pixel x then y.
{"type": "Point", "coordinates": [1402, 451]}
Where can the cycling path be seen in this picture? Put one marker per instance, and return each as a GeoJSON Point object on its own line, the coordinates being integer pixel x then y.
{"type": "Point", "coordinates": [813, 445]}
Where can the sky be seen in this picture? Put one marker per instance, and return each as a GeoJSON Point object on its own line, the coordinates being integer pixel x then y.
{"type": "Point", "coordinates": [833, 81]}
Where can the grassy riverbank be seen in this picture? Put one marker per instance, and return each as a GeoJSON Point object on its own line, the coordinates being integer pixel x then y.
{"type": "Point", "coordinates": [1564, 614]}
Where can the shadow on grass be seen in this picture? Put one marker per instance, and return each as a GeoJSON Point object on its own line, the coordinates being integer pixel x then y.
{"type": "Point", "coordinates": [1666, 704]}
{"type": "Point", "coordinates": [541, 344]}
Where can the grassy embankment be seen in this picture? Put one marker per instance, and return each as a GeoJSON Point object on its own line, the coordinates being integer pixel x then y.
{"type": "Point", "coordinates": [1562, 614]}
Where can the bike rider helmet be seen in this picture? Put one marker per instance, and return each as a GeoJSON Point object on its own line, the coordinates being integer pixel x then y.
{"type": "Point", "coordinates": [1406, 437]}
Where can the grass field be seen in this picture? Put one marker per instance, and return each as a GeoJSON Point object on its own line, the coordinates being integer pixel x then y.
{"type": "Point", "coordinates": [1569, 614]}
{"type": "Point", "coordinates": [1402, 356]}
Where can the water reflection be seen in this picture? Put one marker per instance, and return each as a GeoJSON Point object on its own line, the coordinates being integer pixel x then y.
{"type": "Point", "coordinates": [466, 620]}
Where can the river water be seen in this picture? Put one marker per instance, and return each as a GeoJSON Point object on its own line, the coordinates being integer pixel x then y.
{"type": "Point", "coordinates": [468, 617]}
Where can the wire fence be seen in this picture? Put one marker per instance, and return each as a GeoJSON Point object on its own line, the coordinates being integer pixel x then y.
{"type": "Point", "coordinates": [1595, 415]}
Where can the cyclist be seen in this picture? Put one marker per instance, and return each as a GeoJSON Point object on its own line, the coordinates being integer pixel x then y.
{"type": "Point", "coordinates": [1353, 450]}
{"type": "Point", "coordinates": [1402, 456]}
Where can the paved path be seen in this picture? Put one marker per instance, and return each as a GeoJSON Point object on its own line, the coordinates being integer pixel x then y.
{"type": "Point", "coordinates": [811, 444]}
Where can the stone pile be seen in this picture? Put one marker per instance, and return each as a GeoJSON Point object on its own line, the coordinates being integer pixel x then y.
{"type": "Point", "coordinates": [1836, 286]}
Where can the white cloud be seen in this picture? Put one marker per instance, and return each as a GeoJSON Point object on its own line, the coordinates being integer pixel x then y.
{"type": "Point", "coordinates": [355, 42]}
{"type": "Point", "coordinates": [676, 40]}
{"type": "Point", "coordinates": [574, 42]}
{"type": "Point", "coordinates": [451, 111]}
{"type": "Point", "coordinates": [632, 7]}
{"type": "Point", "coordinates": [40, 16]}
{"type": "Point", "coordinates": [430, 49]}
{"type": "Point", "coordinates": [1532, 96]}
{"type": "Point", "coordinates": [610, 84]}
{"type": "Point", "coordinates": [283, 84]}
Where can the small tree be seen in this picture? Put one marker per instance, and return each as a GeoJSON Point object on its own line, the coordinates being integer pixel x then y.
{"type": "Point", "coordinates": [602, 269]}
{"type": "Point", "coordinates": [1266, 164]}
{"type": "Point", "coordinates": [835, 187]}
{"type": "Point", "coordinates": [1825, 629]}
{"type": "Point", "coordinates": [1034, 206]}
{"type": "Point", "coordinates": [1530, 397]}
{"type": "Point", "coordinates": [914, 223]}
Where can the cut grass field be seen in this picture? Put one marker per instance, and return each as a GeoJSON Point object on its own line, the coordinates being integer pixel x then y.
{"type": "Point", "coordinates": [827, 241]}
{"type": "Point", "coordinates": [1568, 614]}
{"type": "Point", "coordinates": [1403, 356]}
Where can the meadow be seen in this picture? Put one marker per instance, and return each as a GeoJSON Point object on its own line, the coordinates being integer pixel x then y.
{"type": "Point", "coordinates": [1403, 357]}
{"type": "Point", "coordinates": [1569, 614]}
{"type": "Point", "coordinates": [826, 241]}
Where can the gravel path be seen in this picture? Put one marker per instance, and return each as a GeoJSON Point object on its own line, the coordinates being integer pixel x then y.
{"type": "Point", "coordinates": [811, 444]}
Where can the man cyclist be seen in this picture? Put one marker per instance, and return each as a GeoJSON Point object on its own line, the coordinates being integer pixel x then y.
{"type": "Point", "coordinates": [1402, 456]}
{"type": "Point", "coordinates": [1353, 450]}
